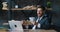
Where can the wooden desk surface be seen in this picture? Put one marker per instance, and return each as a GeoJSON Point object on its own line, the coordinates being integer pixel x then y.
{"type": "Point", "coordinates": [40, 30]}
{"type": "Point", "coordinates": [3, 30]}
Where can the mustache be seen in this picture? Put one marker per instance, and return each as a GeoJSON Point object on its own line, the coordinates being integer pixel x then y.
{"type": "Point", "coordinates": [38, 13]}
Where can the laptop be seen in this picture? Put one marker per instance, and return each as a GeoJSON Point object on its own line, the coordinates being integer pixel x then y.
{"type": "Point", "coordinates": [15, 26]}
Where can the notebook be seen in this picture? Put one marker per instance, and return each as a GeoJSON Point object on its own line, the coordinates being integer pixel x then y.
{"type": "Point", "coordinates": [16, 26]}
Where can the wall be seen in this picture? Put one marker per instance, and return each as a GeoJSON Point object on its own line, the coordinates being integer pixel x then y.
{"type": "Point", "coordinates": [56, 9]}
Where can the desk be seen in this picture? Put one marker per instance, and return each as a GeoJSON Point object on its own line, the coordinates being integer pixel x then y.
{"type": "Point", "coordinates": [29, 30]}
{"type": "Point", "coordinates": [41, 30]}
{"type": "Point", "coordinates": [25, 30]}
{"type": "Point", "coordinates": [3, 30]}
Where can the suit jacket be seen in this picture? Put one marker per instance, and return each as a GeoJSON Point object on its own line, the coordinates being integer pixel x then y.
{"type": "Point", "coordinates": [44, 22]}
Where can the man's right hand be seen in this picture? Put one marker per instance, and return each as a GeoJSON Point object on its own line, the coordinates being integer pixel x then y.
{"type": "Point", "coordinates": [36, 23]}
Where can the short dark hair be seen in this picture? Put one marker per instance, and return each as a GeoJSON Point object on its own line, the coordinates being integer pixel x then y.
{"type": "Point", "coordinates": [42, 7]}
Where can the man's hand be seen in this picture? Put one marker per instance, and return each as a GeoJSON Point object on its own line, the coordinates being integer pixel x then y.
{"type": "Point", "coordinates": [36, 23]}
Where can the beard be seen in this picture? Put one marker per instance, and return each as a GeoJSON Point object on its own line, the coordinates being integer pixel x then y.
{"type": "Point", "coordinates": [39, 15]}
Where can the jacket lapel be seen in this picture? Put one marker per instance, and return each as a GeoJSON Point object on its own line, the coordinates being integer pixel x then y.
{"type": "Point", "coordinates": [42, 20]}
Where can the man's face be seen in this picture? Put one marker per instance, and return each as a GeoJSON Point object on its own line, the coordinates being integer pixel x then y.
{"type": "Point", "coordinates": [39, 12]}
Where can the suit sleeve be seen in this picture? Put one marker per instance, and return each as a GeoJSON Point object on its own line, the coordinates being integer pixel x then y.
{"type": "Point", "coordinates": [46, 23]}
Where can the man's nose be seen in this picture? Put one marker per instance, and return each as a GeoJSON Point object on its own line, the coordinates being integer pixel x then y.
{"type": "Point", "coordinates": [38, 13]}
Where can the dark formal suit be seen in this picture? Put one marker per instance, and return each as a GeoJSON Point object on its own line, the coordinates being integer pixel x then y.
{"type": "Point", "coordinates": [44, 22]}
